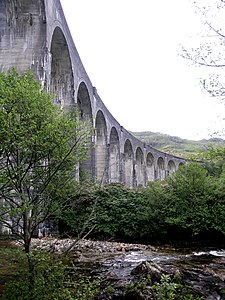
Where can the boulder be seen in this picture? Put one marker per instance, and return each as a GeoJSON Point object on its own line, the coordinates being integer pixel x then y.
{"type": "Point", "coordinates": [149, 268]}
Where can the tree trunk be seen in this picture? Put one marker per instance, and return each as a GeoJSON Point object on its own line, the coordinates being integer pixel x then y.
{"type": "Point", "coordinates": [27, 242]}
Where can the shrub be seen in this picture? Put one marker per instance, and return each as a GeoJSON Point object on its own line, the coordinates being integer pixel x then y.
{"type": "Point", "coordinates": [50, 280]}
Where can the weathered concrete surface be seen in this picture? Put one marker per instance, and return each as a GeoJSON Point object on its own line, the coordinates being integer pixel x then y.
{"type": "Point", "coordinates": [34, 34]}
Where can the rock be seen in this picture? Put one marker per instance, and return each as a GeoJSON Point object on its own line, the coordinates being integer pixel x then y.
{"type": "Point", "coordinates": [148, 268]}
{"type": "Point", "coordinates": [139, 295]}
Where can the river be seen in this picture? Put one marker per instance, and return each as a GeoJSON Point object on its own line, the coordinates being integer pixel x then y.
{"type": "Point", "coordinates": [203, 269]}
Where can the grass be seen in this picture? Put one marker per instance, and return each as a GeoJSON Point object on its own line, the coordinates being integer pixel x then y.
{"type": "Point", "coordinates": [53, 278]}
{"type": "Point", "coordinates": [11, 262]}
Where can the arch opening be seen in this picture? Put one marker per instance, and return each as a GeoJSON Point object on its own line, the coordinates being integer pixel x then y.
{"type": "Point", "coordinates": [62, 81]}
{"type": "Point", "coordinates": [101, 153]}
{"type": "Point", "coordinates": [114, 156]}
{"type": "Point", "coordinates": [139, 168]}
{"type": "Point", "coordinates": [86, 167]}
{"type": "Point", "coordinates": [171, 167]}
{"type": "Point", "coordinates": [84, 103]}
{"type": "Point", "coordinates": [128, 164]}
{"type": "Point", "coordinates": [150, 170]}
{"type": "Point", "coordinates": [160, 169]}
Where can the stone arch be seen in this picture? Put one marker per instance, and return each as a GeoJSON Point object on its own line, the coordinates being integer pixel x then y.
{"type": "Point", "coordinates": [86, 168]}
{"type": "Point", "coordinates": [114, 156]}
{"type": "Point", "coordinates": [160, 171]}
{"type": "Point", "coordinates": [139, 167]}
{"type": "Point", "coordinates": [180, 164]}
{"type": "Point", "coordinates": [84, 102]}
{"type": "Point", "coordinates": [128, 164]}
{"type": "Point", "coordinates": [150, 170]}
{"type": "Point", "coordinates": [62, 80]}
{"type": "Point", "coordinates": [101, 153]}
{"type": "Point", "coordinates": [171, 167]}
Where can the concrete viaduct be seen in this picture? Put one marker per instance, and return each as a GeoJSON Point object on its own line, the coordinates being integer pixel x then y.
{"type": "Point", "coordinates": [34, 34]}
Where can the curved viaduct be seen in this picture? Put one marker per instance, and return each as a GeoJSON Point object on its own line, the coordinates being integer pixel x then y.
{"type": "Point", "coordinates": [34, 34]}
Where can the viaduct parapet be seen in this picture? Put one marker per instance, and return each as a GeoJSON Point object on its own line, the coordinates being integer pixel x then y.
{"type": "Point", "coordinates": [34, 34]}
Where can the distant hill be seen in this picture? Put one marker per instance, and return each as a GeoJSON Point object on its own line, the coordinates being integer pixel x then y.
{"type": "Point", "coordinates": [175, 145]}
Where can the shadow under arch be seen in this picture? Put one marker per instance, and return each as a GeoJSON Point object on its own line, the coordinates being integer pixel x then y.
{"type": "Point", "coordinates": [114, 156]}
{"type": "Point", "coordinates": [62, 79]}
{"type": "Point", "coordinates": [171, 167]}
{"type": "Point", "coordinates": [160, 169]}
{"type": "Point", "coordinates": [128, 164]}
{"type": "Point", "coordinates": [150, 170]}
{"type": "Point", "coordinates": [139, 168]}
{"type": "Point", "coordinates": [181, 164]}
{"type": "Point", "coordinates": [86, 167]}
{"type": "Point", "coordinates": [101, 151]}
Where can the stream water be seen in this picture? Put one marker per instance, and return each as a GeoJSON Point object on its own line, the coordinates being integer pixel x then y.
{"type": "Point", "coordinates": [204, 270]}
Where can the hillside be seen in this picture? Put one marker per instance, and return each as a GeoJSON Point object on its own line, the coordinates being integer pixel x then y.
{"type": "Point", "coordinates": [175, 145]}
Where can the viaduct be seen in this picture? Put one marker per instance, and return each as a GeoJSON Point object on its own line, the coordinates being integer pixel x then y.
{"type": "Point", "coordinates": [34, 34]}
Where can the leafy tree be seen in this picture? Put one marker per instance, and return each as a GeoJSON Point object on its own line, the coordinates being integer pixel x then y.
{"type": "Point", "coordinates": [217, 204]}
{"type": "Point", "coordinates": [191, 188]}
{"type": "Point", "coordinates": [189, 202]}
{"type": "Point", "coordinates": [116, 211]}
{"type": "Point", "coordinates": [41, 145]}
{"type": "Point", "coordinates": [152, 216]}
{"type": "Point", "coordinates": [109, 210]}
{"type": "Point", "coordinates": [79, 216]}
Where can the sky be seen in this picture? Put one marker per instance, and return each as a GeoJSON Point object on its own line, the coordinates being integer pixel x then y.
{"type": "Point", "coordinates": [131, 50]}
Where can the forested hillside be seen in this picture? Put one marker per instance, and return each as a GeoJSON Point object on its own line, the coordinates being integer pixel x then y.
{"type": "Point", "coordinates": [175, 145]}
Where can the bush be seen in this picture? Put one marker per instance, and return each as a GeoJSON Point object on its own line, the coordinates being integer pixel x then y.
{"type": "Point", "coordinates": [50, 280]}
{"type": "Point", "coordinates": [183, 206]}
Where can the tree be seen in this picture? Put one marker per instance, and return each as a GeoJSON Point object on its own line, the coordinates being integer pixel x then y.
{"type": "Point", "coordinates": [41, 145]}
{"type": "Point", "coordinates": [191, 187]}
{"type": "Point", "coordinates": [209, 52]}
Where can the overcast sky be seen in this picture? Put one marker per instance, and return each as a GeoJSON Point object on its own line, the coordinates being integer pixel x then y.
{"type": "Point", "coordinates": [130, 50]}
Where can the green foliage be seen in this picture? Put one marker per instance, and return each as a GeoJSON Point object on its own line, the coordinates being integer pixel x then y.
{"type": "Point", "coordinates": [40, 147]}
{"type": "Point", "coordinates": [51, 281]}
{"type": "Point", "coordinates": [216, 205]}
{"type": "Point", "coordinates": [214, 154]}
{"type": "Point", "coordinates": [191, 188]}
{"type": "Point", "coordinates": [12, 261]}
{"type": "Point", "coordinates": [133, 290]}
{"type": "Point", "coordinates": [109, 209]}
{"type": "Point", "coordinates": [194, 203]}
{"type": "Point", "coordinates": [214, 168]}
{"type": "Point", "coordinates": [167, 289]}
{"type": "Point", "coordinates": [116, 211]}
{"type": "Point", "coordinates": [79, 213]}
{"type": "Point", "coordinates": [154, 209]}
{"type": "Point", "coordinates": [188, 203]}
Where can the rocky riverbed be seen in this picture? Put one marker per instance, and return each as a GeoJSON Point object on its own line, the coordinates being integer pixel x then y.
{"type": "Point", "coordinates": [84, 245]}
{"type": "Point", "coordinates": [120, 264]}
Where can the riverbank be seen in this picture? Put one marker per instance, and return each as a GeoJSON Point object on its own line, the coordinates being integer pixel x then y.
{"type": "Point", "coordinates": [118, 266]}
{"type": "Point", "coordinates": [59, 245]}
